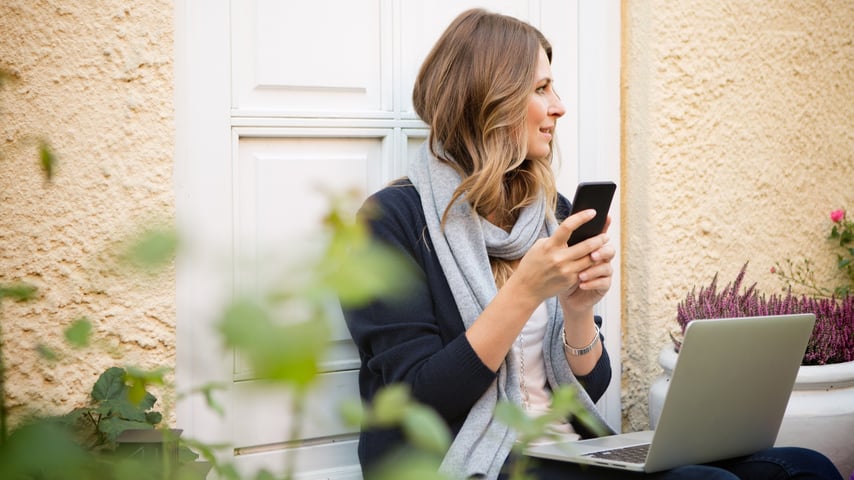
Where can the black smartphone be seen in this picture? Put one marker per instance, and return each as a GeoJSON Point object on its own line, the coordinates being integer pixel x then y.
{"type": "Point", "coordinates": [595, 195]}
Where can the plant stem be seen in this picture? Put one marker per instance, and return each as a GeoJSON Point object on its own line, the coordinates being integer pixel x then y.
{"type": "Point", "coordinates": [297, 409]}
{"type": "Point", "coordinates": [4, 429]}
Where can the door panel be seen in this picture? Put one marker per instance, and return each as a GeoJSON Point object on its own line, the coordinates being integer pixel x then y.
{"type": "Point", "coordinates": [281, 185]}
{"type": "Point", "coordinates": [328, 461]}
{"type": "Point", "coordinates": [310, 57]}
{"type": "Point", "coordinates": [318, 423]}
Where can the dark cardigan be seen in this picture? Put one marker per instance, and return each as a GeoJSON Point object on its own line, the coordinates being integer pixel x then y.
{"type": "Point", "coordinates": [419, 339]}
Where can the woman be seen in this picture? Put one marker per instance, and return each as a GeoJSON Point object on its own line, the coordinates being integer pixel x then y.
{"type": "Point", "coordinates": [504, 308]}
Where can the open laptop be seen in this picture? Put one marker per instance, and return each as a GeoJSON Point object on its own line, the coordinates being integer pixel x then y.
{"type": "Point", "coordinates": [726, 398]}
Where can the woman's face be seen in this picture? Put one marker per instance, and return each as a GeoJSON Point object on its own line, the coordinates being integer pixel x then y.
{"type": "Point", "coordinates": [544, 108]}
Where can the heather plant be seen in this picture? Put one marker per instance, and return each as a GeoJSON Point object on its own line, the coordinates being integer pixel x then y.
{"type": "Point", "coordinates": [832, 340]}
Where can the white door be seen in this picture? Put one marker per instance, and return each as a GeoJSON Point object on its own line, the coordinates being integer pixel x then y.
{"type": "Point", "coordinates": [275, 98]}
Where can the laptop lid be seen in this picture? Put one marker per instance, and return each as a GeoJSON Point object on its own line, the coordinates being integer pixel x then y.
{"type": "Point", "coordinates": [729, 389]}
{"type": "Point", "coordinates": [726, 398]}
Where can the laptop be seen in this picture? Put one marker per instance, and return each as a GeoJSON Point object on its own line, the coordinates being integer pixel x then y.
{"type": "Point", "coordinates": [726, 398]}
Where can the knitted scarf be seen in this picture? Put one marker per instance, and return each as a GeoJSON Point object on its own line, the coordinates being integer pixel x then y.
{"type": "Point", "coordinates": [463, 247]}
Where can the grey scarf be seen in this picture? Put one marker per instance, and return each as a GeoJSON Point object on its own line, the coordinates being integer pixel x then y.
{"type": "Point", "coordinates": [463, 248]}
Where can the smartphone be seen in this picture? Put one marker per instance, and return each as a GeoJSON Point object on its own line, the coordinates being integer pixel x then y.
{"type": "Point", "coordinates": [595, 195]}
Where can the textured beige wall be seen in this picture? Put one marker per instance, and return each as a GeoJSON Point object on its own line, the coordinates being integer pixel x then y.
{"type": "Point", "coordinates": [96, 80]}
{"type": "Point", "coordinates": [738, 142]}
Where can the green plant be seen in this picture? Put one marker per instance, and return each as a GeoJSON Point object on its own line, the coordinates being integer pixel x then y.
{"type": "Point", "coordinates": [529, 428]}
{"type": "Point", "coordinates": [801, 274]}
{"type": "Point", "coordinates": [116, 405]}
{"type": "Point", "coordinates": [427, 435]}
{"type": "Point", "coordinates": [842, 233]}
{"type": "Point", "coordinates": [87, 442]}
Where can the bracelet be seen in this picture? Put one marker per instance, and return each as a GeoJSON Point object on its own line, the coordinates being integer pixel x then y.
{"type": "Point", "coordinates": [579, 351]}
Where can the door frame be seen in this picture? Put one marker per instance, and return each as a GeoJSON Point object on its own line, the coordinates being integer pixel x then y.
{"type": "Point", "coordinates": [203, 156]}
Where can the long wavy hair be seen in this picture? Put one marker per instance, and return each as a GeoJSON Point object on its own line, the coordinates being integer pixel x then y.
{"type": "Point", "coordinates": [473, 90]}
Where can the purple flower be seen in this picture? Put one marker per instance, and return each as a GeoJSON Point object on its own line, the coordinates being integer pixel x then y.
{"type": "Point", "coordinates": [832, 339]}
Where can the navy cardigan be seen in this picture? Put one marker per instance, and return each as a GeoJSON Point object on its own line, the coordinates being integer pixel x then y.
{"type": "Point", "coordinates": [418, 339]}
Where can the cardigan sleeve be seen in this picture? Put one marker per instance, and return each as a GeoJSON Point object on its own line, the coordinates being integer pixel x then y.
{"type": "Point", "coordinates": [596, 382]}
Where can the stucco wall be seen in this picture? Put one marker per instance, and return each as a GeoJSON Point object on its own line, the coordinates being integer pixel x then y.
{"type": "Point", "coordinates": [95, 79]}
{"type": "Point", "coordinates": [738, 142]}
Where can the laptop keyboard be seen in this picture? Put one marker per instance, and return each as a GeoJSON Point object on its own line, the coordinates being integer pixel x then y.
{"type": "Point", "coordinates": [633, 454]}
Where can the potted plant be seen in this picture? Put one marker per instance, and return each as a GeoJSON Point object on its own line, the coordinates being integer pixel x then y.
{"type": "Point", "coordinates": [116, 435]}
{"type": "Point", "coordinates": [820, 414]}
{"type": "Point", "coordinates": [120, 419]}
{"type": "Point", "coordinates": [832, 340]}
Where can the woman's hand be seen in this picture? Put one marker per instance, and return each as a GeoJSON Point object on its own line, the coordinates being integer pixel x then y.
{"type": "Point", "coordinates": [579, 275]}
{"type": "Point", "coordinates": [594, 278]}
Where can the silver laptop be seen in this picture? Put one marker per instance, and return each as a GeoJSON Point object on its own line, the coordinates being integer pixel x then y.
{"type": "Point", "coordinates": [726, 398]}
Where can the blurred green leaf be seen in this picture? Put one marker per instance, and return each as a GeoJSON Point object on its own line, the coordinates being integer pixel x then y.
{"type": "Point", "coordinates": [42, 449]}
{"type": "Point", "coordinates": [244, 320]}
{"type": "Point", "coordinates": [356, 267]}
{"type": "Point", "coordinates": [510, 414]}
{"type": "Point", "coordinates": [138, 380]}
{"type": "Point", "coordinates": [408, 464]}
{"type": "Point", "coordinates": [17, 291]}
{"type": "Point", "coordinates": [79, 332]}
{"type": "Point", "coordinates": [47, 159]}
{"type": "Point", "coordinates": [130, 468]}
{"type": "Point", "coordinates": [153, 248]}
{"type": "Point", "coordinates": [46, 352]}
{"type": "Point", "coordinates": [514, 416]}
{"type": "Point", "coordinates": [365, 274]}
{"type": "Point", "coordinates": [265, 475]}
{"type": "Point", "coordinates": [352, 411]}
{"type": "Point", "coordinates": [565, 403]}
{"type": "Point", "coordinates": [280, 350]}
{"type": "Point", "coordinates": [389, 406]}
{"type": "Point", "coordinates": [207, 392]}
{"type": "Point", "coordinates": [426, 430]}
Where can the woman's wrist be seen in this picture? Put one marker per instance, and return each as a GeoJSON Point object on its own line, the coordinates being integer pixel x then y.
{"type": "Point", "coordinates": [576, 316]}
{"type": "Point", "coordinates": [521, 293]}
{"type": "Point", "coordinates": [579, 351]}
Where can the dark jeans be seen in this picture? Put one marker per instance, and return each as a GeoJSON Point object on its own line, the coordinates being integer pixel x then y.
{"type": "Point", "coordinates": [780, 463]}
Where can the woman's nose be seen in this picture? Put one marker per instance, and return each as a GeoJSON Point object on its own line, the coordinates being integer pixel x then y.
{"type": "Point", "coordinates": [556, 108]}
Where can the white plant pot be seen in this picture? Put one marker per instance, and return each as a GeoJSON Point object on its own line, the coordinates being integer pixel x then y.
{"type": "Point", "coordinates": [820, 414]}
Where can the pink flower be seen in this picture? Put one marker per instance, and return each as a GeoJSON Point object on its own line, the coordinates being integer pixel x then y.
{"type": "Point", "coordinates": [837, 215]}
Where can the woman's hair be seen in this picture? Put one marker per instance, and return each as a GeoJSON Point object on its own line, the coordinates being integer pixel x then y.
{"type": "Point", "coordinates": [473, 91]}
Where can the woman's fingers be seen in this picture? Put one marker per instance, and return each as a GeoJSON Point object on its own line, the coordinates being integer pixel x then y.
{"type": "Point", "coordinates": [566, 227]}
